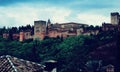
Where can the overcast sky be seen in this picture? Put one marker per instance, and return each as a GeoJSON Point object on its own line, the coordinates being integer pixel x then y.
{"type": "Point", "coordinates": [23, 12]}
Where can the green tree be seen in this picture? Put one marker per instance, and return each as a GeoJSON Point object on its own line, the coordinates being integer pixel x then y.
{"type": "Point", "coordinates": [74, 53]}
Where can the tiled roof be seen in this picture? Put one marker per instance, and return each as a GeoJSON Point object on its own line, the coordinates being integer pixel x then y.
{"type": "Point", "coordinates": [13, 64]}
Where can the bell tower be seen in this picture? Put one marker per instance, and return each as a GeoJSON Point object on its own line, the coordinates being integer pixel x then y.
{"type": "Point", "coordinates": [48, 23]}
{"type": "Point", "coordinates": [48, 26]}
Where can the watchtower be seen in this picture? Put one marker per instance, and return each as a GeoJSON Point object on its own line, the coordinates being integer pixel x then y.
{"type": "Point", "coordinates": [39, 29]}
{"type": "Point", "coordinates": [115, 17]}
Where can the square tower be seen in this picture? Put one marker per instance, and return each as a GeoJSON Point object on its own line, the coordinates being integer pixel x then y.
{"type": "Point", "coordinates": [39, 29]}
{"type": "Point", "coordinates": [115, 17]}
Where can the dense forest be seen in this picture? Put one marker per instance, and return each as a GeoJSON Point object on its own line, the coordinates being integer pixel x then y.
{"type": "Point", "coordinates": [73, 54]}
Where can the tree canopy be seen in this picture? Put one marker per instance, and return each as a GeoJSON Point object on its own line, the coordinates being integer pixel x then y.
{"type": "Point", "coordinates": [71, 53]}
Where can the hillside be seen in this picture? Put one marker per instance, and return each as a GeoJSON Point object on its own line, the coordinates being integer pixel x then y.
{"type": "Point", "coordinates": [86, 53]}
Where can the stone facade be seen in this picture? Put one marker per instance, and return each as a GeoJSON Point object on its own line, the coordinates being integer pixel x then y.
{"type": "Point", "coordinates": [42, 29]}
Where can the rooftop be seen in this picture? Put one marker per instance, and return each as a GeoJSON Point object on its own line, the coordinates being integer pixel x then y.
{"type": "Point", "coordinates": [12, 64]}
